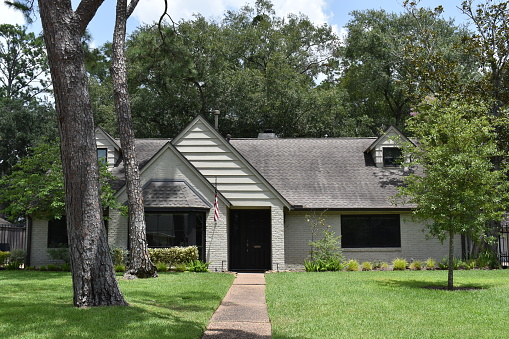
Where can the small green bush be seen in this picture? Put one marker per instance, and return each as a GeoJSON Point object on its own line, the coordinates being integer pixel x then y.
{"type": "Point", "coordinates": [366, 266]}
{"type": "Point", "coordinates": [120, 268]}
{"type": "Point", "coordinates": [18, 255]}
{"type": "Point", "coordinates": [59, 253]}
{"type": "Point", "coordinates": [174, 255]}
{"type": "Point", "coordinates": [323, 265]}
{"type": "Point", "coordinates": [443, 264]}
{"type": "Point", "coordinates": [119, 256]}
{"type": "Point", "coordinates": [161, 267]}
{"type": "Point", "coordinates": [384, 266]}
{"type": "Point", "coordinates": [415, 265]}
{"type": "Point", "coordinates": [352, 265]}
{"type": "Point", "coordinates": [198, 266]}
{"type": "Point", "coordinates": [311, 266]}
{"type": "Point", "coordinates": [487, 259]}
{"type": "Point", "coordinates": [43, 268]}
{"type": "Point", "coordinates": [3, 257]}
{"type": "Point", "coordinates": [12, 265]}
{"type": "Point", "coordinates": [181, 267]}
{"type": "Point", "coordinates": [52, 267]}
{"type": "Point", "coordinates": [430, 264]}
{"type": "Point", "coordinates": [377, 265]}
{"type": "Point", "coordinates": [399, 264]}
{"type": "Point", "coordinates": [65, 267]}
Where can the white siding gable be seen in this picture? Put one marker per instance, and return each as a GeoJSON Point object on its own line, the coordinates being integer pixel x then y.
{"type": "Point", "coordinates": [219, 162]}
{"type": "Point", "coordinates": [390, 139]}
{"type": "Point", "coordinates": [105, 141]}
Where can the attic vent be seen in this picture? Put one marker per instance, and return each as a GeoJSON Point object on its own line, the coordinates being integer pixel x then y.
{"type": "Point", "coordinates": [267, 134]}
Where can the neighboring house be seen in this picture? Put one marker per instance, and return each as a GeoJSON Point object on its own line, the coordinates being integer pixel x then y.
{"type": "Point", "coordinates": [267, 188]}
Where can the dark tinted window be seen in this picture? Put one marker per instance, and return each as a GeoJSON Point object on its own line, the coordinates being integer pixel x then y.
{"type": "Point", "coordinates": [370, 231]}
{"type": "Point", "coordinates": [392, 157]}
{"type": "Point", "coordinates": [57, 233]}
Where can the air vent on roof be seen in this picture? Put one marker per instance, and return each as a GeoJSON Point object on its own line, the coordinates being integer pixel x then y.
{"type": "Point", "coordinates": [267, 134]}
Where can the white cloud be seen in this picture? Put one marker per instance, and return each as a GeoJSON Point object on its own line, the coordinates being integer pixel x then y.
{"type": "Point", "coordinates": [149, 11]}
{"type": "Point", "coordinates": [10, 16]}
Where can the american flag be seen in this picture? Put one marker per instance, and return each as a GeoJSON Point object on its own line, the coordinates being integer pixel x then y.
{"type": "Point", "coordinates": [216, 209]}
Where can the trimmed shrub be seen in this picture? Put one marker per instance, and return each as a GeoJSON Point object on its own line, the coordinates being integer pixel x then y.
{"type": "Point", "coordinates": [384, 266]}
{"type": "Point", "coordinates": [174, 255]}
{"type": "Point", "coordinates": [399, 264]}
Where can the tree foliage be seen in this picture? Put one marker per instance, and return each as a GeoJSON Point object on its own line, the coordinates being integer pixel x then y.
{"type": "Point", "coordinates": [27, 116]}
{"type": "Point", "coordinates": [36, 185]}
{"type": "Point", "coordinates": [388, 59]}
{"type": "Point", "coordinates": [458, 191]}
{"type": "Point", "coordinates": [260, 70]}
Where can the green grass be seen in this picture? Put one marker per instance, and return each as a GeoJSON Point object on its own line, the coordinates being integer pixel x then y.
{"type": "Point", "coordinates": [175, 305]}
{"type": "Point", "coordinates": [388, 305]}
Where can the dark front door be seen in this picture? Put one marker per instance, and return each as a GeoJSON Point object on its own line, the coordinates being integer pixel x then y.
{"type": "Point", "coordinates": [250, 245]}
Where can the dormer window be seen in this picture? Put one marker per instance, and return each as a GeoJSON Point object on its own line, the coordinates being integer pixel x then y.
{"type": "Point", "coordinates": [102, 154]}
{"type": "Point", "coordinates": [392, 156]}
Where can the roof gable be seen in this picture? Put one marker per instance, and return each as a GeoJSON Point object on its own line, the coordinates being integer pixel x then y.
{"type": "Point", "coordinates": [219, 161]}
{"type": "Point", "coordinates": [188, 167]}
{"type": "Point", "coordinates": [390, 136]}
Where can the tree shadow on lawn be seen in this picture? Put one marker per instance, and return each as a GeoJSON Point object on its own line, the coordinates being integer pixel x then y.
{"type": "Point", "coordinates": [430, 285]}
{"type": "Point", "coordinates": [145, 318]}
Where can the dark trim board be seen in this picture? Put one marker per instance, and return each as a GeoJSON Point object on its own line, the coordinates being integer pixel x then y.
{"type": "Point", "coordinates": [250, 240]}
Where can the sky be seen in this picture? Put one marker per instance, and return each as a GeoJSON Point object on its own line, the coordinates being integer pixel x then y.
{"type": "Point", "coordinates": [332, 12]}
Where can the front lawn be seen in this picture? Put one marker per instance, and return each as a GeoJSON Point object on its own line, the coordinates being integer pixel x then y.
{"type": "Point", "coordinates": [175, 305]}
{"type": "Point", "coordinates": [388, 304]}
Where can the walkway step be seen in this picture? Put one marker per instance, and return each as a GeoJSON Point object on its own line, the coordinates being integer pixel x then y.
{"type": "Point", "coordinates": [243, 311]}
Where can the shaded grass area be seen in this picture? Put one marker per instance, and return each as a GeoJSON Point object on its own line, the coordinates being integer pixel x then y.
{"type": "Point", "coordinates": [388, 304]}
{"type": "Point", "coordinates": [175, 305]}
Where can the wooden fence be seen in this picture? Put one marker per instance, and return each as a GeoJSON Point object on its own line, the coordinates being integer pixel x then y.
{"type": "Point", "coordinates": [12, 237]}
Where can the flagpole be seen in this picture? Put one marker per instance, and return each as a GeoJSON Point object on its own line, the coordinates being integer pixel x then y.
{"type": "Point", "coordinates": [216, 203]}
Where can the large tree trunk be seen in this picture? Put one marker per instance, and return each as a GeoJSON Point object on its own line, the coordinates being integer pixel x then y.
{"type": "Point", "coordinates": [94, 280]}
{"type": "Point", "coordinates": [140, 264]}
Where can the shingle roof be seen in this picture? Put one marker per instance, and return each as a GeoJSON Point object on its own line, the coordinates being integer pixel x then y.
{"type": "Point", "coordinates": [323, 173]}
{"type": "Point", "coordinates": [145, 150]}
{"type": "Point", "coordinates": [168, 194]}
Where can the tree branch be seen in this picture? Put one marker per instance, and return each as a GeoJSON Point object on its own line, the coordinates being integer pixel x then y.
{"type": "Point", "coordinates": [85, 12]}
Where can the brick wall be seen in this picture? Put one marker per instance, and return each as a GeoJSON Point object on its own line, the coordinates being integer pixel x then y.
{"type": "Point", "coordinates": [414, 244]}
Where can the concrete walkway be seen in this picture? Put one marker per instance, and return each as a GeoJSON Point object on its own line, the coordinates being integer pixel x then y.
{"type": "Point", "coordinates": [243, 311]}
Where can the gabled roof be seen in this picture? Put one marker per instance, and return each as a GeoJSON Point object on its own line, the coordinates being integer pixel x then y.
{"type": "Point", "coordinates": [239, 155]}
{"type": "Point", "coordinates": [149, 151]}
{"type": "Point", "coordinates": [107, 136]}
{"type": "Point", "coordinates": [328, 173]}
{"type": "Point", "coordinates": [389, 132]}
{"type": "Point", "coordinates": [167, 193]}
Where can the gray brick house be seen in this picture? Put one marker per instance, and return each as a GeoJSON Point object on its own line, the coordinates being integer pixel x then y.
{"type": "Point", "coordinates": [266, 188]}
